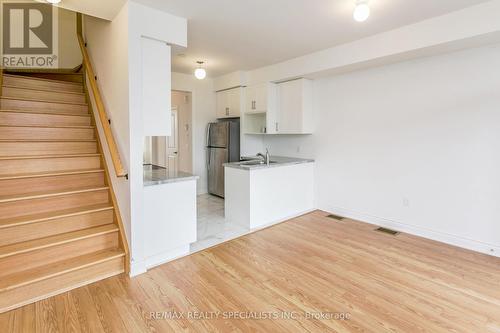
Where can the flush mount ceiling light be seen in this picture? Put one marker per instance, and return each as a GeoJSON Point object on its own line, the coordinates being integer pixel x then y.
{"type": "Point", "coordinates": [200, 72]}
{"type": "Point", "coordinates": [361, 11]}
{"type": "Point", "coordinates": [53, 1]}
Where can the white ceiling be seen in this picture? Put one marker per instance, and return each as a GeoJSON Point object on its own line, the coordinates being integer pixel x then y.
{"type": "Point", "coordinates": [105, 9]}
{"type": "Point", "coordinates": [246, 34]}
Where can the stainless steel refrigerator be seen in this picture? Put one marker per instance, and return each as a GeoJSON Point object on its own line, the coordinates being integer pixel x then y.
{"type": "Point", "coordinates": [223, 146]}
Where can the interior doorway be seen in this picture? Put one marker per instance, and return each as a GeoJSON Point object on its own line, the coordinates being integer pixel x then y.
{"type": "Point", "coordinates": [173, 153]}
{"type": "Point", "coordinates": [183, 106]}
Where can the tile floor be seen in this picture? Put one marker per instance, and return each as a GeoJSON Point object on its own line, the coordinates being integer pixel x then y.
{"type": "Point", "coordinates": [212, 226]}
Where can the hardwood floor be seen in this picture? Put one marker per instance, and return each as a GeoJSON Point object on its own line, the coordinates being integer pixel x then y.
{"type": "Point", "coordinates": [307, 266]}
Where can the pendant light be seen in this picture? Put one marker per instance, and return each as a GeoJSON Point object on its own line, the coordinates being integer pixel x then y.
{"type": "Point", "coordinates": [200, 72]}
{"type": "Point", "coordinates": [361, 11]}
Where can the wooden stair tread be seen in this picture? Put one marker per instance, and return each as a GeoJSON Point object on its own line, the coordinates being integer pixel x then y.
{"type": "Point", "coordinates": [48, 140]}
{"type": "Point", "coordinates": [74, 114]}
{"type": "Point", "coordinates": [30, 157]}
{"type": "Point", "coordinates": [42, 243]}
{"type": "Point", "coordinates": [50, 174]}
{"type": "Point", "coordinates": [44, 90]}
{"type": "Point", "coordinates": [24, 99]}
{"type": "Point", "coordinates": [41, 79]}
{"type": "Point", "coordinates": [28, 219]}
{"type": "Point", "coordinates": [49, 194]}
{"type": "Point", "coordinates": [51, 126]}
{"type": "Point", "coordinates": [62, 267]}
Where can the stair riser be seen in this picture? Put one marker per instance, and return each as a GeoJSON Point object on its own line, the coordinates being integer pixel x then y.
{"type": "Point", "coordinates": [45, 133]}
{"type": "Point", "coordinates": [14, 104]}
{"type": "Point", "coordinates": [58, 77]}
{"type": "Point", "coordinates": [45, 205]}
{"type": "Point", "coordinates": [46, 148]}
{"type": "Point", "coordinates": [34, 119]}
{"type": "Point", "coordinates": [54, 95]}
{"type": "Point", "coordinates": [23, 166]}
{"type": "Point", "coordinates": [39, 84]}
{"type": "Point", "coordinates": [42, 257]}
{"type": "Point", "coordinates": [18, 297]}
{"type": "Point", "coordinates": [53, 227]}
{"type": "Point", "coordinates": [52, 183]}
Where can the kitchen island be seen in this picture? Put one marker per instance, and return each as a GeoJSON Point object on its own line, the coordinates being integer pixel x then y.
{"type": "Point", "coordinates": [260, 194]}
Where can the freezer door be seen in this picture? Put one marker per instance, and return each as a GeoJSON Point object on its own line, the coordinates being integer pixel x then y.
{"type": "Point", "coordinates": [218, 135]}
{"type": "Point", "coordinates": [216, 157]}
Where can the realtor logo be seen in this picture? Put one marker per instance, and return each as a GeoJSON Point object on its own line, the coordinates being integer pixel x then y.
{"type": "Point", "coordinates": [29, 35]}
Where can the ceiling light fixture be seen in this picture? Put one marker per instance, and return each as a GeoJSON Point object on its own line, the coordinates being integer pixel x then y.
{"type": "Point", "coordinates": [53, 1]}
{"type": "Point", "coordinates": [361, 11]}
{"type": "Point", "coordinates": [200, 72]}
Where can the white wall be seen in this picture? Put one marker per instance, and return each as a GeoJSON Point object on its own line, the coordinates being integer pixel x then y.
{"type": "Point", "coordinates": [154, 24]}
{"type": "Point", "coordinates": [115, 49]}
{"type": "Point", "coordinates": [413, 146]}
{"type": "Point", "coordinates": [107, 45]}
{"type": "Point", "coordinates": [203, 96]}
{"type": "Point", "coordinates": [69, 55]}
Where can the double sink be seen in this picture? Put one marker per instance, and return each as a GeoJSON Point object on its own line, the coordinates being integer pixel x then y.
{"type": "Point", "coordinates": [255, 162]}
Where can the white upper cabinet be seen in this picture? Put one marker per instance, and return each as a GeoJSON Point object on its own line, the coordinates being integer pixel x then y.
{"type": "Point", "coordinates": [258, 97]}
{"type": "Point", "coordinates": [156, 86]}
{"type": "Point", "coordinates": [229, 103]}
{"type": "Point", "coordinates": [294, 107]}
{"type": "Point", "coordinates": [260, 109]}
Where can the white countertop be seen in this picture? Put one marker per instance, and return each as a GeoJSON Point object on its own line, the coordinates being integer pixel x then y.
{"type": "Point", "coordinates": [276, 161]}
{"type": "Point", "coordinates": [154, 175]}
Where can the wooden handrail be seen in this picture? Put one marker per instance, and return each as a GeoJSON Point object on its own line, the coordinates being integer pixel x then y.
{"type": "Point", "coordinates": [1, 79]}
{"type": "Point", "coordinates": [101, 110]}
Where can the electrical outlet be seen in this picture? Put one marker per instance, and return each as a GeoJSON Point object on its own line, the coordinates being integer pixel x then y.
{"type": "Point", "coordinates": [406, 202]}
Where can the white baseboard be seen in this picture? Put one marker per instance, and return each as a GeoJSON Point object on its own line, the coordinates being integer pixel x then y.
{"type": "Point", "coordinates": [141, 267]}
{"type": "Point", "coordinates": [470, 244]}
{"type": "Point", "coordinates": [137, 268]}
{"type": "Point", "coordinates": [267, 225]}
{"type": "Point", "coordinates": [162, 258]}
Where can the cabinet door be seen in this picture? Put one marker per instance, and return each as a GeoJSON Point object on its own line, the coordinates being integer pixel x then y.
{"type": "Point", "coordinates": [222, 104]}
{"type": "Point", "coordinates": [261, 98]}
{"type": "Point", "coordinates": [156, 86]}
{"type": "Point", "coordinates": [234, 102]}
{"type": "Point", "coordinates": [290, 103]}
{"type": "Point", "coordinates": [250, 99]}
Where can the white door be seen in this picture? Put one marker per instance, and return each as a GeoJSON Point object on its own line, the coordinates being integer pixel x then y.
{"type": "Point", "coordinates": [173, 144]}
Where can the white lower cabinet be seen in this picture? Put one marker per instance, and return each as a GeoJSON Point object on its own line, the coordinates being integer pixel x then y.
{"type": "Point", "coordinates": [257, 198]}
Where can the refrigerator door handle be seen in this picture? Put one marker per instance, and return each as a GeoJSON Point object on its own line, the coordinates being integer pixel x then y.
{"type": "Point", "coordinates": [209, 126]}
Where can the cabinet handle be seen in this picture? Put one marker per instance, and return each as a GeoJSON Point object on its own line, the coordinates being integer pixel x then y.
{"type": "Point", "coordinates": [253, 105]}
{"type": "Point", "coordinates": [227, 111]}
{"type": "Point", "coordinates": [277, 127]}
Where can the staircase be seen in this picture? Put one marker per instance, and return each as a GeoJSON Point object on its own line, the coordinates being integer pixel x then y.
{"type": "Point", "coordinates": [59, 225]}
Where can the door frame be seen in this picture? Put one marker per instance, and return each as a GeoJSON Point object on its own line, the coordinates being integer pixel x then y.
{"type": "Point", "coordinates": [176, 126]}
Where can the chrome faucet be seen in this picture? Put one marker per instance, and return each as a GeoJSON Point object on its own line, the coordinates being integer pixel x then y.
{"type": "Point", "coordinates": [266, 158]}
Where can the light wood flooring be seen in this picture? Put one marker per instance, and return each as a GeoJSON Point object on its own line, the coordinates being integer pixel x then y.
{"type": "Point", "coordinates": [309, 266]}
